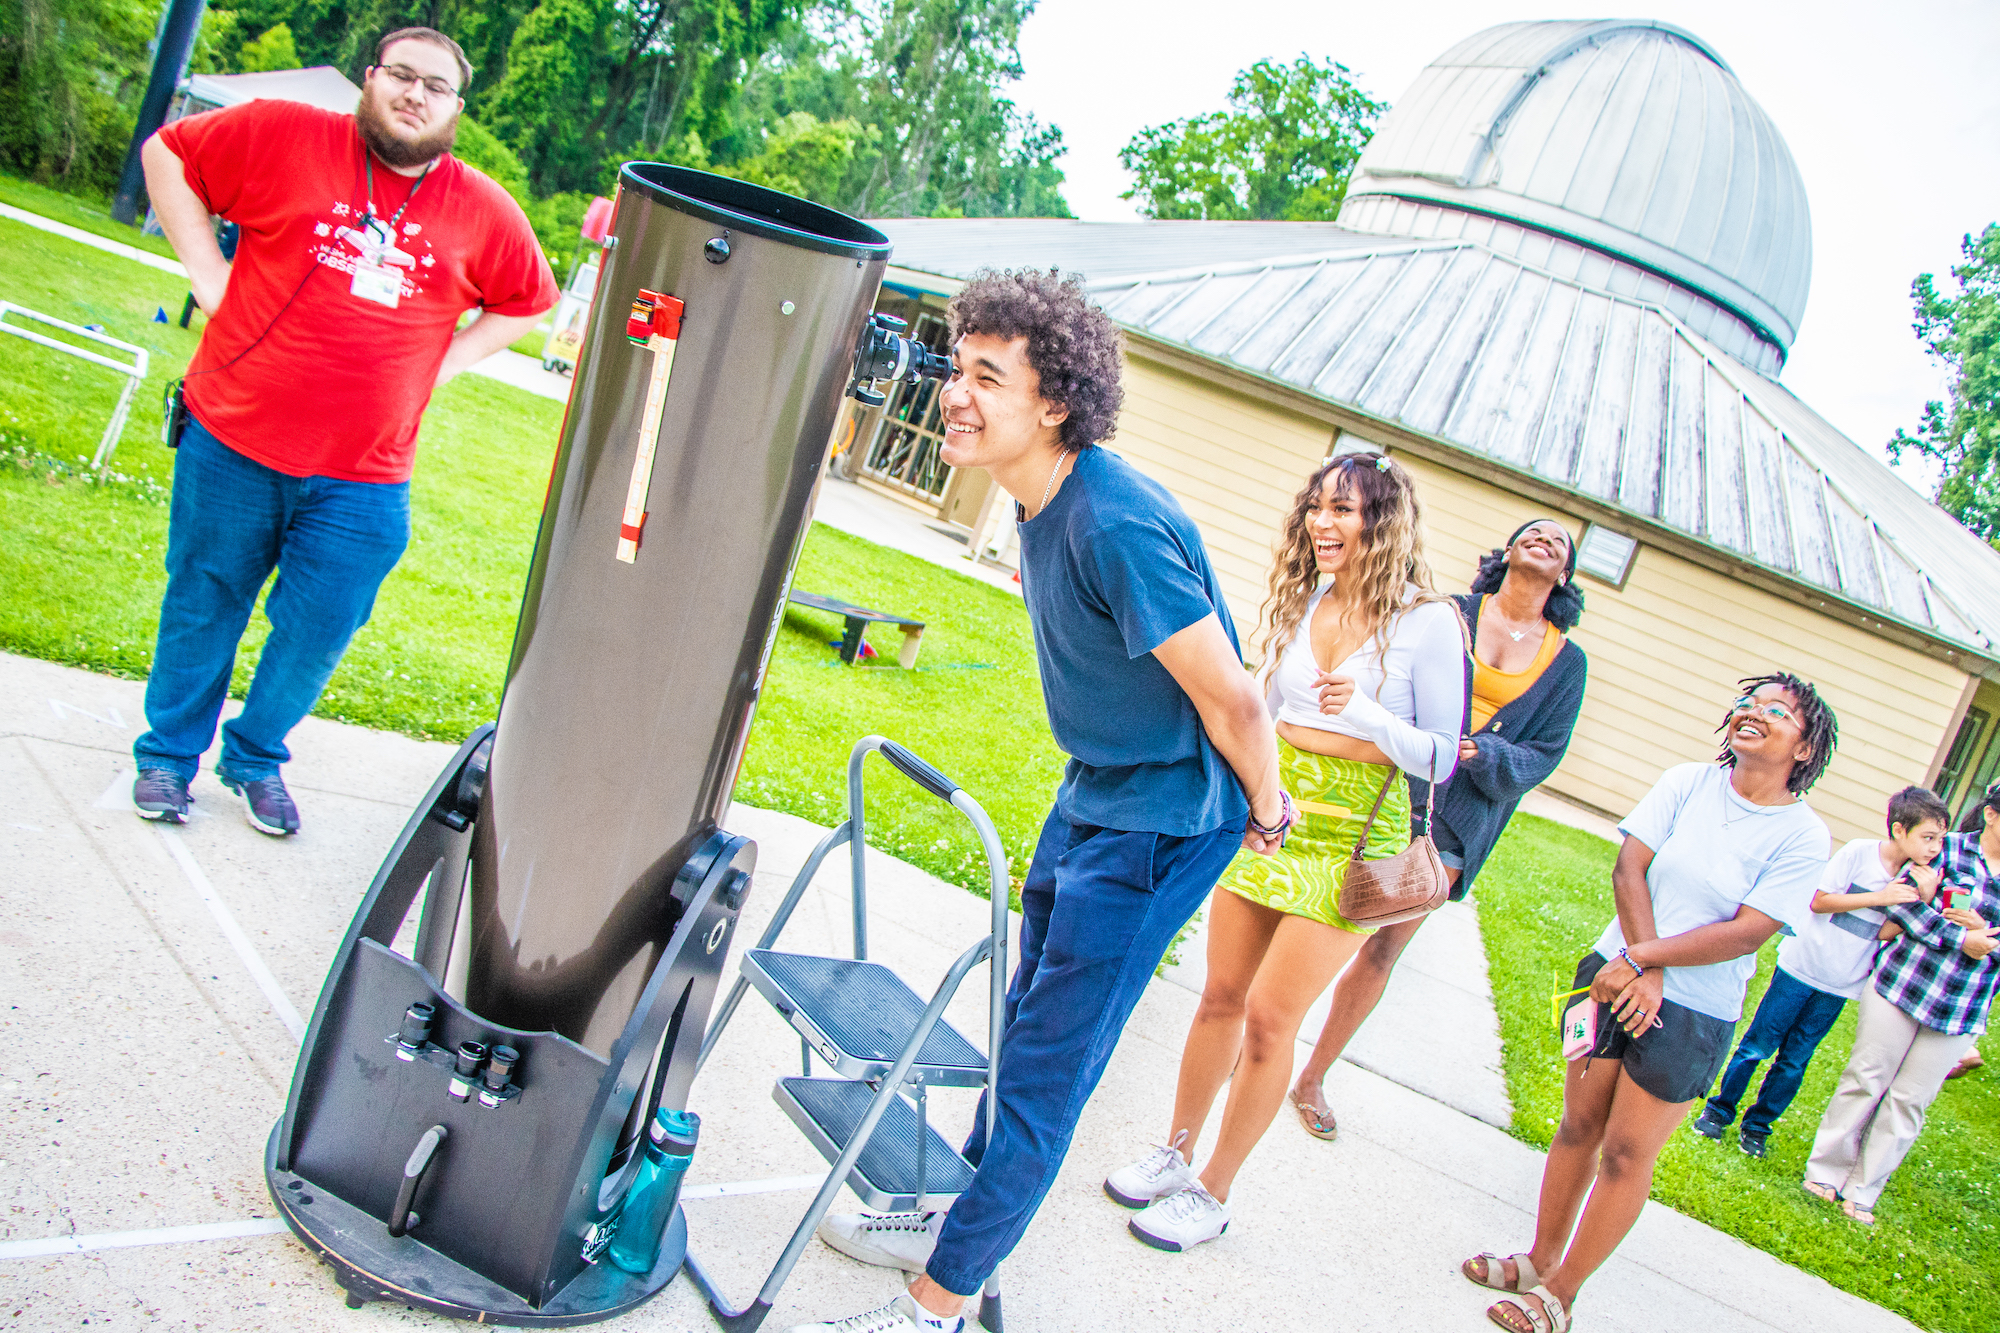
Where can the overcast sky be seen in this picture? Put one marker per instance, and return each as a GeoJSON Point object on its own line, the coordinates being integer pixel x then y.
{"type": "Point", "coordinates": [1892, 112]}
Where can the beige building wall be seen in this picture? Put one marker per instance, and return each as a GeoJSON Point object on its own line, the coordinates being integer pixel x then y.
{"type": "Point", "coordinates": [1665, 651]}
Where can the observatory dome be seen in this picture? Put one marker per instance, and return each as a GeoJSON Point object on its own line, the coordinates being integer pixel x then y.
{"type": "Point", "coordinates": [1629, 138]}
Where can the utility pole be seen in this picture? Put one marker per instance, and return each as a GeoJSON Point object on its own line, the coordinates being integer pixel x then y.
{"type": "Point", "coordinates": [175, 44]}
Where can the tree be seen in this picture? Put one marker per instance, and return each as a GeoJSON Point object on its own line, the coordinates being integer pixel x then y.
{"type": "Point", "coordinates": [71, 73]}
{"type": "Point", "coordinates": [922, 79]}
{"type": "Point", "coordinates": [1283, 151]}
{"type": "Point", "coordinates": [273, 50]}
{"type": "Point", "coordinates": [1963, 437]}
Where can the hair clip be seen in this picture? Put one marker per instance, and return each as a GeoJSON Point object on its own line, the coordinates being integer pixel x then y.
{"type": "Point", "coordinates": [1382, 463]}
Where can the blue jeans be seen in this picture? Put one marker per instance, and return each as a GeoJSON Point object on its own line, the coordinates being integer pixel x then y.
{"type": "Point", "coordinates": [232, 522]}
{"type": "Point", "coordinates": [1098, 909]}
{"type": "Point", "coordinates": [1790, 1023]}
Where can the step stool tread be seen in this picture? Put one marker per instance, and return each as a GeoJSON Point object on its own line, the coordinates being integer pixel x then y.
{"type": "Point", "coordinates": [864, 1008]}
{"type": "Point", "coordinates": [889, 1162]}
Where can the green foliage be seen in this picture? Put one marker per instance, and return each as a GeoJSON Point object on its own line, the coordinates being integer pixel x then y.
{"type": "Point", "coordinates": [1543, 900]}
{"type": "Point", "coordinates": [71, 73]}
{"type": "Point", "coordinates": [1282, 151]}
{"type": "Point", "coordinates": [921, 80]}
{"type": "Point", "coordinates": [803, 155]}
{"type": "Point", "coordinates": [1962, 332]}
{"type": "Point", "coordinates": [273, 50]}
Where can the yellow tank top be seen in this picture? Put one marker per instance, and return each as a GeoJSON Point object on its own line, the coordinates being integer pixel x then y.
{"type": "Point", "coordinates": [1493, 690]}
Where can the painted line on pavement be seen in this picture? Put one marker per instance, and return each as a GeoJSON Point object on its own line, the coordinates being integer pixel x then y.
{"type": "Point", "coordinates": [281, 1004]}
{"type": "Point", "coordinates": [91, 239]}
{"type": "Point", "coordinates": [775, 1186]}
{"type": "Point", "coordinates": [268, 1226]}
{"type": "Point", "coordinates": [119, 1240]}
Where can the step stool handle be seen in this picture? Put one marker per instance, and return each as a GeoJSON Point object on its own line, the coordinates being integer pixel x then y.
{"type": "Point", "coordinates": [919, 772]}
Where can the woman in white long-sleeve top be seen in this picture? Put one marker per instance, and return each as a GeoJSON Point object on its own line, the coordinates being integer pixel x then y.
{"type": "Point", "coordinates": [1366, 673]}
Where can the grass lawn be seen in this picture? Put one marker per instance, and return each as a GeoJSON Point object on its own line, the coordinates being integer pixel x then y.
{"type": "Point", "coordinates": [84, 212]}
{"type": "Point", "coordinates": [80, 581]}
{"type": "Point", "coordinates": [1933, 1254]}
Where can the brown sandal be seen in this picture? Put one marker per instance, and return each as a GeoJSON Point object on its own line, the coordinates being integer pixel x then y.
{"type": "Point", "coordinates": [1546, 1316]}
{"type": "Point", "coordinates": [1321, 1125]}
{"type": "Point", "coordinates": [1494, 1275]}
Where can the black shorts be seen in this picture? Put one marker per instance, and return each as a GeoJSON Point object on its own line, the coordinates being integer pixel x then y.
{"type": "Point", "coordinates": [1677, 1061]}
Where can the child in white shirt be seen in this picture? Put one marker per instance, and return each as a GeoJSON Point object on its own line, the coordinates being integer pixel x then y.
{"type": "Point", "coordinates": [1827, 963]}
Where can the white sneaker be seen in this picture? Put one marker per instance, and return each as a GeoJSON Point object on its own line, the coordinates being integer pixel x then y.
{"type": "Point", "coordinates": [901, 1315]}
{"type": "Point", "coordinates": [887, 1240]}
{"type": "Point", "coordinates": [1182, 1221]}
{"type": "Point", "coordinates": [1161, 1172]}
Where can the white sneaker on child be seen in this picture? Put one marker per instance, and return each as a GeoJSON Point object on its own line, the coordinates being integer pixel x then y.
{"type": "Point", "coordinates": [887, 1240]}
{"type": "Point", "coordinates": [1182, 1221]}
{"type": "Point", "coordinates": [901, 1315]}
{"type": "Point", "coordinates": [1161, 1172]}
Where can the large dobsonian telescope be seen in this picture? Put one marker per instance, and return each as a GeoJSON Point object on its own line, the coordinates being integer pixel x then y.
{"type": "Point", "coordinates": [526, 983]}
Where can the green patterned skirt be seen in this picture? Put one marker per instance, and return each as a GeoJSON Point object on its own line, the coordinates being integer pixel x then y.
{"type": "Point", "coordinates": [1333, 795]}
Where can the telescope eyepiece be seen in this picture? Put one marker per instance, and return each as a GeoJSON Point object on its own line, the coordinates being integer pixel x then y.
{"type": "Point", "coordinates": [416, 1030]}
{"type": "Point", "coordinates": [885, 354]}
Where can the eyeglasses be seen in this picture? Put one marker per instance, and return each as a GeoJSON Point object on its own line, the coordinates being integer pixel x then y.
{"type": "Point", "coordinates": [1776, 712]}
{"type": "Point", "coordinates": [403, 76]}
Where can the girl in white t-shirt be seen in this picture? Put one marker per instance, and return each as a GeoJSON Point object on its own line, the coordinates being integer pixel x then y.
{"type": "Point", "coordinates": [1827, 962]}
{"type": "Point", "coordinates": [1716, 857]}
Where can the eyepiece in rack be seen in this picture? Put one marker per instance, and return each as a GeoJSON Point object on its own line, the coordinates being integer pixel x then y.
{"type": "Point", "coordinates": [417, 1020]}
{"type": "Point", "coordinates": [500, 1066]}
{"type": "Point", "coordinates": [465, 1067]}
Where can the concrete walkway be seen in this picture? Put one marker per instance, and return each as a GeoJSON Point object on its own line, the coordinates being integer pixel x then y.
{"type": "Point", "coordinates": [151, 1031]}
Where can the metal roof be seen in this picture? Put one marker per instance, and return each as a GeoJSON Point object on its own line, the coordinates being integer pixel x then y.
{"type": "Point", "coordinates": [1629, 136]}
{"type": "Point", "coordinates": [1604, 395]}
{"type": "Point", "coordinates": [958, 247]}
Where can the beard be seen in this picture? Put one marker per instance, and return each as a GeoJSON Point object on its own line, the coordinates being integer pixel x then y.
{"type": "Point", "coordinates": [380, 136]}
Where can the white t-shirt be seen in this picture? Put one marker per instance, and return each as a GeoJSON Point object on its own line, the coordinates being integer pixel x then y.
{"type": "Point", "coordinates": [1409, 700]}
{"type": "Point", "coordinates": [1714, 852]}
{"type": "Point", "coordinates": [1835, 951]}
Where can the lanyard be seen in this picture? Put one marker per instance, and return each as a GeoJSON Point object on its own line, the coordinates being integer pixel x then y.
{"type": "Point", "coordinates": [368, 217]}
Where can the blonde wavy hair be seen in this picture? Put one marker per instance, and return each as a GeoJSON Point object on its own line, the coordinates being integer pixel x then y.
{"type": "Point", "coordinates": [1390, 558]}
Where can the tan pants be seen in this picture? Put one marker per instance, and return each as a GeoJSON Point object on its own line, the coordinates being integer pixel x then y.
{"type": "Point", "coordinates": [1895, 1072]}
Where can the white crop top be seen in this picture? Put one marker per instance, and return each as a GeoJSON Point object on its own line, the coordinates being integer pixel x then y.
{"type": "Point", "coordinates": [1405, 700]}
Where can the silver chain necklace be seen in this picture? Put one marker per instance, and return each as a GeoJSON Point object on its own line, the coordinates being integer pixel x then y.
{"type": "Point", "coordinates": [1046, 490]}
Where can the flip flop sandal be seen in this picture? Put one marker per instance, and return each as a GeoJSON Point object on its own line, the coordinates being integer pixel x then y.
{"type": "Point", "coordinates": [1520, 1317]}
{"type": "Point", "coordinates": [1309, 1116]}
{"type": "Point", "coordinates": [1824, 1193]}
{"type": "Point", "coordinates": [1495, 1276]}
{"type": "Point", "coordinates": [1865, 1216]}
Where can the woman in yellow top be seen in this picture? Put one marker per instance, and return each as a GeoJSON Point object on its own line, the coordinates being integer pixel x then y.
{"type": "Point", "coordinates": [1527, 686]}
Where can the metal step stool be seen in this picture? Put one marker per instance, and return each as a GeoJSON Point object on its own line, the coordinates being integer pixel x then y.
{"type": "Point", "coordinates": [886, 1046]}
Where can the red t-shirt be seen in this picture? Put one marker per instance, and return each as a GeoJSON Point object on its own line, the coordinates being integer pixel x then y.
{"type": "Point", "coordinates": [338, 384]}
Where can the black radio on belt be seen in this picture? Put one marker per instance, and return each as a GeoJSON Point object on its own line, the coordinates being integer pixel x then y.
{"type": "Point", "coordinates": [173, 415]}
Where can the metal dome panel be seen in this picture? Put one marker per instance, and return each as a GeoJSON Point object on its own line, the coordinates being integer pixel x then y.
{"type": "Point", "coordinates": [1630, 137]}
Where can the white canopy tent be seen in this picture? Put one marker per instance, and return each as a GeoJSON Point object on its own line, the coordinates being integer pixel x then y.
{"type": "Point", "coordinates": [321, 86]}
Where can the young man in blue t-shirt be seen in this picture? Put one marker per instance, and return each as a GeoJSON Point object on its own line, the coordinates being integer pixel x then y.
{"type": "Point", "coordinates": [1172, 766]}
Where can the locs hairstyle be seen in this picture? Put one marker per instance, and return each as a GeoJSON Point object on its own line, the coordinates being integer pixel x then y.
{"type": "Point", "coordinates": [1563, 609]}
{"type": "Point", "coordinates": [1073, 346]}
{"type": "Point", "coordinates": [1819, 729]}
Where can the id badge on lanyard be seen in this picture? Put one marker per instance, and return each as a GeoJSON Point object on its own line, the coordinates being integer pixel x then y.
{"type": "Point", "coordinates": [375, 280]}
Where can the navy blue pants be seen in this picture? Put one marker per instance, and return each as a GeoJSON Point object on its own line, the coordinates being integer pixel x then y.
{"type": "Point", "coordinates": [232, 522]}
{"type": "Point", "coordinates": [1790, 1023]}
{"type": "Point", "coordinates": [1098, 910]}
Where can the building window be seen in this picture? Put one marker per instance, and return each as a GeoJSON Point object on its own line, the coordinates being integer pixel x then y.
{"type": "Point", "coordinates": [1606, 554]}
{"type": "Point", "coordinates": [1345, 443]}
{"type": "Point", "coordinates": [1963, 747]}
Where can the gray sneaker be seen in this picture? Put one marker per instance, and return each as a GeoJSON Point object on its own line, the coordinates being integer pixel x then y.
{"type": "Point", "coordinates": [266, 804]}
{"type": "Point", "coordinates": [162, 794]}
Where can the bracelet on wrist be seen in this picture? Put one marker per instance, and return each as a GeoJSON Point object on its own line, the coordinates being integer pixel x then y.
{"type": "Point", "coordinates": [1637, 971]}
{"type": "Point", "coordinates": [1288, 815]}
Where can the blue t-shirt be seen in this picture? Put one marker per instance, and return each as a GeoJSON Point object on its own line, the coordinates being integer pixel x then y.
{"type": "Point", "coordinates": [1112, 569]}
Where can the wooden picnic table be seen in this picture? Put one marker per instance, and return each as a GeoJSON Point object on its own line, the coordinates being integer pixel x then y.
{"type": "Point", "coordinates": [858, 619]}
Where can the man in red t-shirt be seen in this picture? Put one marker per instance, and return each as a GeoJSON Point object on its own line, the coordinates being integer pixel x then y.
{"type": "Point", "coordinates": [362, 242]}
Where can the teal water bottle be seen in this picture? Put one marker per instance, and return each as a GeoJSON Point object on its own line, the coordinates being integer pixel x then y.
{"type": "Point", "coordinates": [670, 1141]}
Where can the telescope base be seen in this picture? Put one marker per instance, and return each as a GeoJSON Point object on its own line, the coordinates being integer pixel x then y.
{"type": "Point", "coordinates": [372, 1265]}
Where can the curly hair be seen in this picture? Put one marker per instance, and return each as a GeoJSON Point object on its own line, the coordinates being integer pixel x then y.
{"type": "Point", "coordinates": [1564, 607]}
{"type": "Point", "coordinates": [1974, 818]}
{"type": "Point", "coordinates": [1819, 729]}
{"type": "Point", "coordinates": [1073, 346]}
{"type": "Point", "coordinates": [1390, 558]}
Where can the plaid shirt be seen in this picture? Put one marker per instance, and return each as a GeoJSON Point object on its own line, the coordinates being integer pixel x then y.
{"type": "Point", "coordinates": [1923, 972]}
